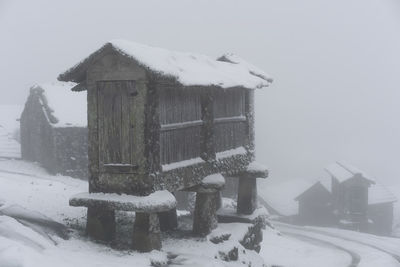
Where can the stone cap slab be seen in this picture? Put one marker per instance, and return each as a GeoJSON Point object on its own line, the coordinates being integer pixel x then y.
{"type": "Point", "coordinates": [212, 183]}
{"type": "Point", "coordinates": [158, 201]}
{"type": "Point", "coordinates": [255, 170]}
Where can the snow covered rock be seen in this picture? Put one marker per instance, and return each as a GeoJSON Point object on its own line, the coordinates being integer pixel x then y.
{"type": "Point", "coordinates": [155, 202]}
{"type": "Point", "coordinates": [213, 181]}
{"type": "Point", "coordinates": [36, 221]}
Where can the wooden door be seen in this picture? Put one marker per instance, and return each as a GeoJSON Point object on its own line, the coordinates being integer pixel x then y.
{"type": "Point", "coordinates": [115, 122]}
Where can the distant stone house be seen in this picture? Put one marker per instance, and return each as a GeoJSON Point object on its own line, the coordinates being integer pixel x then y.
{"type": "Point", "coordinates": [350, 200]}
{"type": "Point", "coordinates": [279, 198]}
{"type": "Point", "coordinates": [54, 129]}
{"type": "Point", "coordinates": [380, 209]}
{"type": "Point", "coordinates": [315, 206]}
{"type": "Point", "coordinates": [350, 195]}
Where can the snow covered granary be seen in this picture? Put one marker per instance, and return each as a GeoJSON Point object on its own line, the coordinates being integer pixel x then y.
{"type": "Point", "coordinates": [54, 129]}
{"type": "Point", "coordinates": [159, 122]}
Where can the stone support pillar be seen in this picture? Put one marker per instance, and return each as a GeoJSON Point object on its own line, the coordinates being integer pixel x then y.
{"type": "Point", "coordinates": [100, 224]}
{"type": "Point", "coordinates": [168, 220]}
{"type": "Point", "coordinates": [247, 195]}
{"type": "Point", "coordinates": [146, 232]}
{"type": "Point", "coordinates": [205, 212]}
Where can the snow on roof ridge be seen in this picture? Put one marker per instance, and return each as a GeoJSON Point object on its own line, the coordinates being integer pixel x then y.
{"type": "Point", "coordinates": [189, 69]}
{"type": "Point", "coordinates": [354, 170]}
{"type": "Point", "coordinates": [235, 59]}
{"type": "Point", "coordinates": [63, 107]}
{"type": "Point", "coordinates": [343, 172]}
{"type": "Point", "coordinates": [335, 172]}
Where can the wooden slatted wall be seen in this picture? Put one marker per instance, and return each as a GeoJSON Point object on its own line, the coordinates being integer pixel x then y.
{"type": "Point", "coordinates": [181, 125]}
{"type": "Point", "coordinates": [229, 119]}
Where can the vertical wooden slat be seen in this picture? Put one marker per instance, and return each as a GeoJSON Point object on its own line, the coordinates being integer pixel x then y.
{"type": "Point", "coordinates": [126, 124]}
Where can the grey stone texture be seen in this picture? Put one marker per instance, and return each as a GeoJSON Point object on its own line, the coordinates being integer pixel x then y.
{"type": "Point", "coordinates": [100, 224]}
{"type": "Point", "coordinates": [59, 150]}
{"type": "Point", "coordinates": [146, 232]}
{"type": "Point", "coordinates": [247, 195]}
{"type": "Point", "coordinates": [168, 220]}
{"type": "Point", "coordinates": [205, 213]}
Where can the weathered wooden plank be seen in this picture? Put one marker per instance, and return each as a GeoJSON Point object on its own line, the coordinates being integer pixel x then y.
{"type": "Point", "coordinates": [112, 122]}
{"type": "Point", "coordinates": [115, 122]}
{"type": "Point", "coordinates": [180, 125]}
{"type": "Point", "coordinates": [229, 103]}
{"type": "Point", "coordinates": [180, 144]}
{"type": "Point", "coordinates": [230, 135]}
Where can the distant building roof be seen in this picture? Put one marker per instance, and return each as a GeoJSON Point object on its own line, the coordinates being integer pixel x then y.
{"type": "Point", "coordinates": [63, 107]}
{"type": "Point", "coordinates": [281, 196]}
{"type": "Point", "coordinates": [379, 194]}
{"type": "Point", "coordinates": [343, 172]}
{"type": "Point", "coordinates": [313, 189]}
{"type": "Point", "coordinates": [187, 68]}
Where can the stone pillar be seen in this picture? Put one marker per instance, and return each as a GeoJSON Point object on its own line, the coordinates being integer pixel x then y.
{"type": "Point", "coordinates": [205, 212]}
{"type": "Point", "coordinates": [247, 195]}
{"type": "Point", "coordinates": [100, 224]}
{"type": "Point", "coordinates": [146, 232]}
{"type": "Point", "coordinates": [168, 220]}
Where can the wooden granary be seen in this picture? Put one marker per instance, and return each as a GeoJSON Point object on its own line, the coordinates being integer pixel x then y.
{"type": "Point", "coordinates": [163, 120]}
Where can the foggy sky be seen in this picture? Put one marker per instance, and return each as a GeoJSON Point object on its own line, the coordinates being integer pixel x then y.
{"type": "Point", "coordinates": [335, 66]}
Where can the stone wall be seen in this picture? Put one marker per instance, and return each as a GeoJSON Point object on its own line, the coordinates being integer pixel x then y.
{"type": "Point", "coordinates": [71, 151]}
{"type": "Point", "coordinates": [58, 150]}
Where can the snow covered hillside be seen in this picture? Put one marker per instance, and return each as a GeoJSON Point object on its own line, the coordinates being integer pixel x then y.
{"type": "Point", "coordinates": [395, 189]}
{"type": "Point", "coordinates": [9, 131]}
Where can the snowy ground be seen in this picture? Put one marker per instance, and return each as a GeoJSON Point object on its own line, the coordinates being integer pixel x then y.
{"type": "Point", "coordinates": [367, 250]}
{"type": "Point", "coordinates": [289, 251]}
{"type": "Point", "coordinates": [9, 131]}
{"type": "Point", "coordinates": [27, 187]}
{"type": "Point", "coordinates": [31, 188]}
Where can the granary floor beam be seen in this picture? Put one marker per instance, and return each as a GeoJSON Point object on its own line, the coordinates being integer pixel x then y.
{"type": "Point", "coordinates": [100, 224]}
{"type": "Point", "coordinates": [146, 232]}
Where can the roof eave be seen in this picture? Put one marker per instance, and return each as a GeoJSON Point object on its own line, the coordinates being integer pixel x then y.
{"type": "Point", "coordinates": [78, 72]}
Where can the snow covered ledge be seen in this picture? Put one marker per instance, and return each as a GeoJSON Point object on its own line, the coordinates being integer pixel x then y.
{"type": "Point", "coordinates": [101, 223]}
{"type": "Point", "coordinates": [255, 170]}
{"type": "Point", "coordinates": [158, 201]}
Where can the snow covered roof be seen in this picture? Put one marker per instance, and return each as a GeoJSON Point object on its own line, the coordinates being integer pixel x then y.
{"type": "Point", "coordinates": [379, 193]}
{"type": "Point", "coordinates": [187, 68]}
{"type": "Point", "coordinates": [67, 108]}
{"type": "Point", "coordinates": [281, 196]}
{"type": "Point", "coordinates": [343, 172]}
{"type": "Point", "coordinates": [312, 189]}
{"type": "Point", "coordinates": [326, 182]}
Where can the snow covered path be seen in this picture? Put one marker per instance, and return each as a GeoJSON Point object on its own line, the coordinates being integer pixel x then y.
{"type": "Point", "coordinates": [9, 147]}
{"type": "Point", "coordinates": [370, 253]}
{"type": "Point", "coordinates": [291, 250]}
{"type": "Point", "coordinates": [355, 258]}
{"type": "Point", "coordinates": [385, 244]}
